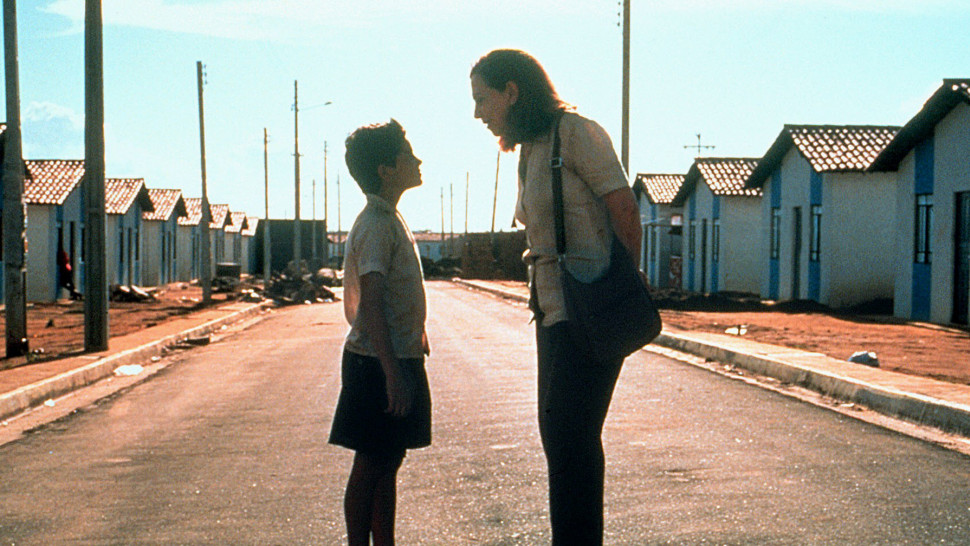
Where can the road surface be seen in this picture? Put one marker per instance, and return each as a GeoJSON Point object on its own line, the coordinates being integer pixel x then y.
{"type": "Point", "coordinates": [227, 445]}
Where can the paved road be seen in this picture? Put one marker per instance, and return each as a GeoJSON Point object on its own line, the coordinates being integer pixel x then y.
{"type": "Point", "coordinates": [228, 446]}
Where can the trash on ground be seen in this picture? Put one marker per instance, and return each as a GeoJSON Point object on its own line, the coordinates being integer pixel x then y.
{"type": "Point", "coordinates": [738, 330]}
{"type": "Point", "coordinates": [289, 288]}
{"type": "Point", "coordinates": [867, 358]}
{"type": "Point", "coordinates": [197, 341]}
{"type": "Point", "coordinates": [50, 403]}
{"type": "Point", "coordinates": [121, 292]}
{"type": "Point", "coordinates": [129, 369]}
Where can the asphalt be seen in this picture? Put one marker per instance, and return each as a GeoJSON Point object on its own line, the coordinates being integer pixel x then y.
{"type": "Point", "coordinates": [930, 402]}
{"type": "Point", "coordinates": [926, 401]}
{"type": "Point", "coordinates": [32, 385]}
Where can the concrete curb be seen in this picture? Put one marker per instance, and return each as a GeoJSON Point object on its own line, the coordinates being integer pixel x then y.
{"type": "Point", "coordinates": [32, 395]}
{"type": "Point", "coordinates": [927, 410]}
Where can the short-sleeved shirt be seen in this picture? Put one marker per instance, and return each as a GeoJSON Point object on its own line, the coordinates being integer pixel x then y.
{"type": "Point", "coordinates": [380, 242]}
{"type": "Point", "coordinates": [591, 169]}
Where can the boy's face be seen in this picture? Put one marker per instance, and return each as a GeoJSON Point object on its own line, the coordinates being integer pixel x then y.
{"type": "Point", "coordinates": [406, 173]}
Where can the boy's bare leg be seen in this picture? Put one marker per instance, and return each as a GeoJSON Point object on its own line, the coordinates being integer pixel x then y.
{"type": "Point", "coordinates": [370, 500]}
{"type": "Point", "coordinates": [385, 503]}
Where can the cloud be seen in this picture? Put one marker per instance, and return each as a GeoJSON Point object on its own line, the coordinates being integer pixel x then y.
{"type": "Point", "coordinates": [52, 131]}
{"type": "Point", "coordinates": [287, 20]}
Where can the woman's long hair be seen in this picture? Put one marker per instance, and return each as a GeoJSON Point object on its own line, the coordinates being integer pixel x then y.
{"type": "Point", "coordinates": [534, 110]}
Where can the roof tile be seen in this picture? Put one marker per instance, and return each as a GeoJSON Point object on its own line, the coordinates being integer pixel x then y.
{"type": "Point", "coordinates": [50, 181]}
{"type": "Point", "coordinates": [661, 188]}
{"type": "Point", "coordinates": [121, 193]}
{"type": "Point", "coordinates": [165, 201]}
{"type": "Point", "coordinates": [727, 175]}
{"type": "Point", "coordinates": [839, 148]}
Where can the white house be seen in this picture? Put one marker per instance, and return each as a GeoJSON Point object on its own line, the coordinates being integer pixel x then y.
{"type": "Point", "coordinates": [233, 238]}
{"type": "Point", "coordinates": [662, 227]}
{"type": "Point", "coordinates": [931, 157]}
{"type": "Point", "coordinates": [217, 234]}
{"type": "Point", "coordinates": [721, 218]}
{"type": "Point", "coordinates": [54, 223]}
{"type": "Point", "coordinates": [125, 201]}
{"type": "Point", "coordinates": [827, 222]}
{"type": "Point", "coordinates": [188, 241]}
{"type": "Point", "coordinates": [158, 234]}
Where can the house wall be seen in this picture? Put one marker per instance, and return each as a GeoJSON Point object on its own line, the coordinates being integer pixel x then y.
{"type": "Point", "coordinates": [121, 233]}
{"type": "Point", "coordinates": [697, 270]}
{"type": "Point", "coordinates": [857, 245]}
{"type": "Point", "coordinates": [788, 187]}
{"type": "Point", "coordinates": [739, 266]}
{"type": "Point", "coordinates": [41, 248]}
{"type": "Point", "coordinates": [151, 252]}
{"type": "Point", "coordinates": [43, 223]}
{"type": "Point", "coordinates": [658, 244]}
{"type": "Point", "coordinates": [928, 293]}
{"type": "Point", "coordinates": [187, 247]}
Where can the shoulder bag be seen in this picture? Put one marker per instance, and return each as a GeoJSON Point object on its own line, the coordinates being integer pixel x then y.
{"type": "Point", "coordinates": [613, 315]}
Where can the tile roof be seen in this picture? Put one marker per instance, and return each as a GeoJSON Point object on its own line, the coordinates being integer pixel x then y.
{"type": "Point", "coordinates": [827, 148]}
{"type": "Point", "coordinates": [193, 212]}
{"type": "Point", "coordinates": [121, 193]}
{"type": "Point", "coordinates": [953, 92]}
{"type": "Point", "coordinates": [251, 223]}
{"type": "Point", "coordinates": [659, 188]}
{"type": "Point", "coordinates": [220, 216]}
{"type": "Point", "coordinates": [166, 202]}
{"type": "Point", "coordinates": [236, 223]}
{"type": "Point", "coordinates": [725, 176]}
{"type": "Point", "coordinates": [51, 181]}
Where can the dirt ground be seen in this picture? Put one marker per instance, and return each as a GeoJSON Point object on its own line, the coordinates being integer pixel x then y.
{"type": "Point", "coordinates": [915, 348]}
{"type": "Point", "coordinates": [57, 329]}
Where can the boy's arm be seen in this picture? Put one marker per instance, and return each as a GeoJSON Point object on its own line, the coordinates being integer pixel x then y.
{"type": "Point", "coordinates": [400, 393]}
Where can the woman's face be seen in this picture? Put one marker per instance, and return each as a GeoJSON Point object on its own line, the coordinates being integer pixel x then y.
{"type": "Point", "coordinates": [491, 105]}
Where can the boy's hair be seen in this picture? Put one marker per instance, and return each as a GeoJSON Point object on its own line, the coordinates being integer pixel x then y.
{"type": "Point", "coordinates": [533, 113]}
{"type": "Point", "coordinates": [369, 147]}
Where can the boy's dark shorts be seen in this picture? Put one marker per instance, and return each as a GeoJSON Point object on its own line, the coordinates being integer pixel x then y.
{"type": "Point", "coordinates": [359, 422]}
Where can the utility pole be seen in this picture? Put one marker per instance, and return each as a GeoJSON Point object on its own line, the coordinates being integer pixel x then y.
{"type": "Point", "coordinates": [296, 177]}
{"type": "Point", "coordinates": [326, 216]}
{"type": "Point", "coordinates": [495, 196]}
{"type": "Point", "coordinates": [451, 218]}
{"type": "Point", "coordinates": [206, 280]}
{"type": "Point", "coordinates": [466, 202]}
{"type": "Point", "coordinates": [267, 266]}
{"type": "Point", "coordinates": [626, 87]}
{"type": "Point", "coordinates": [95, 278]}
{"type": "Point", "coordinates": [313, 226]}
{"type": "Point", "coordinates": [14, 270]}
{"type": "Point", "coordinates": [442, 215]}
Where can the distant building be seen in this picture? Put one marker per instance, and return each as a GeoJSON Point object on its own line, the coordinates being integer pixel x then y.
{"type": "Point", "coordinates": [188, 241]}
{"type": "Point", "coordinates": [249, 247]}
{"type": "Point", "coordinates": [829, 223]}
{"type": "Point", "coordinates": [217, 235]}
{"type": "Point", "coordinates": [233, 238]}
{"type": "Point", "coordinates": [931, 250]}
{"type": "Point", "coordinates": [126, 199]}
{"type": "Point", "coordinates": [159, 232]}
{"type": "Point", "coordinates": [662, 224]}
{"type": "Point", "coordinates": [54, 223]}
{"type": "Point", "coordinates": [721, 220]}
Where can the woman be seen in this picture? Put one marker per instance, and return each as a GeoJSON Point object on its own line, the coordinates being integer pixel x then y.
{"type": "Point", "coordinates": [517, 102]}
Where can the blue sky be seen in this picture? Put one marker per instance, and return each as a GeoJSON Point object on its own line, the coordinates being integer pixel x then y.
{"type": "Point", "coordinates": [734, 71]}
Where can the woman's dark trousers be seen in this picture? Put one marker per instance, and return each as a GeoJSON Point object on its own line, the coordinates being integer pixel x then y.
{"type": "Point", "coordinates": [574, 396]}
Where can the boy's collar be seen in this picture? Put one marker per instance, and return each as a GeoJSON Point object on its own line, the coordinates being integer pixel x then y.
{"type": "Point", "coordinates": [379, 202]}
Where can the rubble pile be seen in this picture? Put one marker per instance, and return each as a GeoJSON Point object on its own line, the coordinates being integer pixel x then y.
{"type": "Point", "coordinates": [289, 288]}
{"type": "Point", "coordinates": [121, 292]}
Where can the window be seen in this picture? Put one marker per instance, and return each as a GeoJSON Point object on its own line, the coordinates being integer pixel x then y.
{"type": "Point", "coordinates": [815, 243]}
{"type": "Point", "coordinates": [924, 223]}
{"type": "Point", "coordinates": [691, 238]}
{"type": "Point", "coordinates": [716, 241]}
{"type": "Point", "coordinates": [775, 232]}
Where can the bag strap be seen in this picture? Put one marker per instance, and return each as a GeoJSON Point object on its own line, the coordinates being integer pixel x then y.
{"type": "Point", "coordinates": [557, 202]}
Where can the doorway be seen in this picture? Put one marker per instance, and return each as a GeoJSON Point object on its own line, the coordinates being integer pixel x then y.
{"type": "Point", "coordinates": [961, 262]}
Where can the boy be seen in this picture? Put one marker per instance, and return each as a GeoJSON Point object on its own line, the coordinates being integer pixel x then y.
{"type": "Point", "coordinates": [385, 405]}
